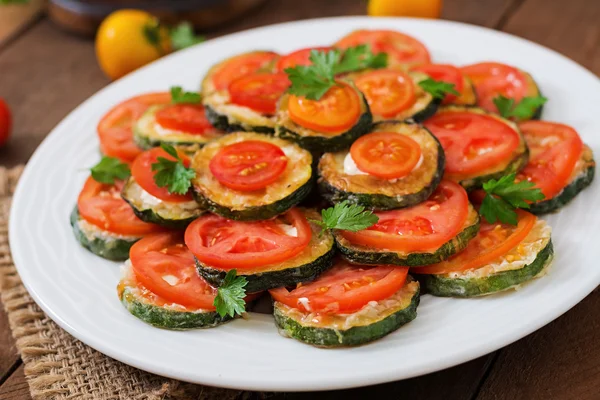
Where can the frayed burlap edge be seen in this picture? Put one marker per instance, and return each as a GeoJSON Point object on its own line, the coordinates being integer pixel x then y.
{"type": "Point", "coordinates": [57, 365]}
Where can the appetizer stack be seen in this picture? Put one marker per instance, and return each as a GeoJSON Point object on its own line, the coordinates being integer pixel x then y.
{"type": "Point", "coordinates": [423, 169]}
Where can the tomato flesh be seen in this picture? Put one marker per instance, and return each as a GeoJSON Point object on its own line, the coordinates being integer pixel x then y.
{"type": "Point", "coordinates": [472, 142]}
{"type": "Point", "coordinates": [345, 288]}
{"type": "Point", "coordinates": [401, 49]}
{"type": "Point", "coordinates": [492, 242]}
{"type": "Point", "coordinates": [102, 205]}
{"type": "Point", "coordinates": [259, 92]}
{"type": "Point", "coordinates": [387, 155]}
{"type": "Point", "coordinates": [338, 110]}
{"type": "Point", "coordinates": [554, 150]}
{"type": "Point", "coordinates": [163, 265]}
{"type": "Point", "coordinates": [249, 165]}
{"type": "Point", "coordinates": [240, 66]}
{"type": "Point", "coordinates": [188, 118]}
{"type": "Point", "coordinates": [228, 244]}
{"type": "Point", "coordinates": [445, 73]}
{"type": "Point", "coordinates": [387, 91]}
{"type": "Point", "coordinates": [424, 227]}
{"type": "Point", "coordinates": [298, 57]}
{"type": "Point", "coordinates": [141, 170]}
{"type": "Point", "coordinates": [115, 127]}
{"type": "Point", "coordinates": [494, 79]}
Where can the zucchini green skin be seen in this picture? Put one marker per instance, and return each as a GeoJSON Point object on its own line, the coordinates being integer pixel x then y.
{"type": "Point", "coordinates": [516, 165]}
{"type": "Point", "coordinates": [115, 250]}
{"type": "Point", "coordinates": [357, 335]}
{"type": "Point", "coordinates": [256, 213]}
{"type": "Point", "coordinates": [566, 195]}
{"type": "Point", "coordinates": [147, 143]}
{"type": "Point", "coordinates": [221, 121]}
{"type": "Point", "coordinates": [360, 256]}
{"type": "Point", "coordinates": [427, 112]}
{"type": "Point", "coordinates": [272, 279]}
{"type": "Point", "coordinates": [440, 285]}
{"type": "Point", "coordinates": [169, 319]}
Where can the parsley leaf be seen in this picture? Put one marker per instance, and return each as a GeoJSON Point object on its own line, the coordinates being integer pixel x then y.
{"type": "Point", "coordinates": [348, 217]}
{"type": "Point", "coordinates": [110, 169]}
{"type": "Point", "coordinates": [438, 89]}
{"type": "Point", "coordinates": [313, 81]}
{"type": "Point", "coordinates": [230, 295]}
{"type": "Point", "coordinates": [172, 174]}
{"type": "Point", "coordinates": [183, 36]}
{"type": "Point", "coordinates": [504, 196]}
{"type": "Point", "coordinates": [178, 96]}
{"type": "Point", "coordinates": [523, 110]}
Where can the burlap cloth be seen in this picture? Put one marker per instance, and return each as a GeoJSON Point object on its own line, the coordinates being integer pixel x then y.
{"type": "Point", "coordinates": [57, 365]}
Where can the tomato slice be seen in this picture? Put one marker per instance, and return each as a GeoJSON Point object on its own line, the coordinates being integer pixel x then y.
{"type": "Point", "coordinates": [445, 73]}
{"type": "Point", "coordinates": [387, 91]}
{"type": "Point", "coordinates": [141, 170]}
{"type": "Point", "coordinates": [102, 205]}
{"type": "Point", "coordinates": [239, 66]}
{"type": "Point", "coordinates": [114, 129]}
{"type": "Point", "coordinates": [472, 142]}
{"type": "Point", "coordinates": [259, 92]}
{"type": "Point", "coordinates": [345, 288]}
{"type": "Point", "coordinates": [298, 57]}
{"type": "Point", "coordinates": [338, 110]}
{"type": "Point", "coordinates": [163, 265]}
{"type": "Point", "coordinates": [228, 244]}
{"type": "Point", "coordinates": [401, 48]}
{"type": "Point", "coordinates": [424, 227]}
{"type": "Point", "coordinates": [387, 155]}
{"type": "Point", "coordinates": [493, 79]}
{"type": "Point", "coordinates": [189, 118]}
{"type": "Point", "coordinates": [492, 242]}
{"type": "Point", "coordinates": [249, 165]}
{"type": "Point", "coordinates": [553, 153]}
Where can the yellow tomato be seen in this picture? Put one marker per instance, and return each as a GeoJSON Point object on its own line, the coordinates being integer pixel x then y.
{"type": "Point", "coordinates": [128, 39]}
{"type": "Point", "coordinates": [405, 8]}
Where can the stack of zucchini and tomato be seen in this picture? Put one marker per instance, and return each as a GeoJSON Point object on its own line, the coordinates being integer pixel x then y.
{"type": "Point", "coordinates": [426, 168]}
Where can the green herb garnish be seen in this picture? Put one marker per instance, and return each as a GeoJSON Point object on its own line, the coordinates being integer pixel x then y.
{"type": "Point", "coordinates": [110, 169]}
{"type": "Point", "coordinates": [504, 196]}
{"type": "Point", "coordinates": [230, 295]}
{"type": "Point", "coordinates": [172, 174]}
{"type": "Point", "coordinates": [348, 217]}
{"type": "Point", "coordinates": [183, 36]}
{"type": "Point", "coordinates": [179, 96]}
{"type": "Point", "coordinates": [438, 89]}
{"type": "Point", "coordinates": [313, 81]}
{"type": "Point", "coordinates": [523, 110]}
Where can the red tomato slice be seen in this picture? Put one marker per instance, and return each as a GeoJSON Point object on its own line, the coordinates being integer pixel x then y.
{"type": "Point", "coordinates": [338, 110]}
{"type": "Point", "coordinates": [387, 155]}
{"type": "Point", "coordinates": [387, 91]}
{"type": "Point", "coordinates": [249, 165]}
{"type": "Point", "coordinates": [345, 288]}
{"type": "Point", "coordinates": [472, 142]}
{"type": "Point", "coordinates": [401, 48]}
{"type": "Point", "coordinates": [102, 205]}
{"type": "Point", "coordinates": [189, 118]}
{"type": "Point", "coordinates": [445, 73]}
{"type": "Point", "coordinates": [5, 122]}
{"type": "Point", "coordinates": [492, 242]}
{"type": "Point", "coordinates": [494, 79]}
{"type": "Point", "coordinates": [424, 227]}
{"type": "Point", "coordinates": [298, 57]}
{"type": "Point", "coordinates": [259, 92]}
{"type": "Point", "coordinates": [141, 170]}
{"type": "Point", "coordinates": [227, 244]}
{"type": "Point", "coordinates": [163, 265]}
{"type": "Point", "coordinates": [239, 66]}
{"type": "Point", "coordinates": [114, 129]}
{"type": "Point", "coordinates": [553, 153]}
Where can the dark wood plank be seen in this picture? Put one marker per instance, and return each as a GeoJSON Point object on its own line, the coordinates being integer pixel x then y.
{"type": "Point", "coordinates": [488, 13]}
{"type": "Point", "coordinates": [16, 387]}
{"type": "Point", "coordinates": [8, 351]}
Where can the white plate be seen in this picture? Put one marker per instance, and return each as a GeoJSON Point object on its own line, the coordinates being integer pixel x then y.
{"type": "Point", "coordinates": [77, 289]}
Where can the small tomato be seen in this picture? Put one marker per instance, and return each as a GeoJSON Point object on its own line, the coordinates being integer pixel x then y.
{"type": "Point", "coordinates": [5, 122]}
{"type": "Point", "coordinates": [405, 8]}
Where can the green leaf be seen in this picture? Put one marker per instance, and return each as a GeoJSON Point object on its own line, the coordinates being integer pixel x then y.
{"type": "Point", "coordinates": [172, 174]}
{"type": "Point", "coordinates": [183, 36]}
{"type": "Point", "coordinates": [504, 105]}
{"type": "Point", "coordinates": [179, 96]}
{"type": "Point", "coordinates": [110, 169]}
{"type": "Point", "coordinates": [438, 89]}
{"type": "Point", "coordinates": [348, 217]}
{"type": "Point", "coordinates": [494, 209]}
{"type": "Point", "coordinates": [230, 295]}
{"type": "Point", "coordinates": [359, 57]}
{"type": "Point", "coordinates": [523, 110]}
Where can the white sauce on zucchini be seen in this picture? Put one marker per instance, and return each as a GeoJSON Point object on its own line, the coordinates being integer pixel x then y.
{"type": "Point", "coordinates": [350, 167]}
{"type": "Point", "coordinates": [92, 232]}
{"type": "Point", "coordinates": [144, 200]}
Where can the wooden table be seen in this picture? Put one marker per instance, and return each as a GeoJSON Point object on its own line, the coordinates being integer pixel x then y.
{"type": "Point", "coordinates": [45, 73]}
